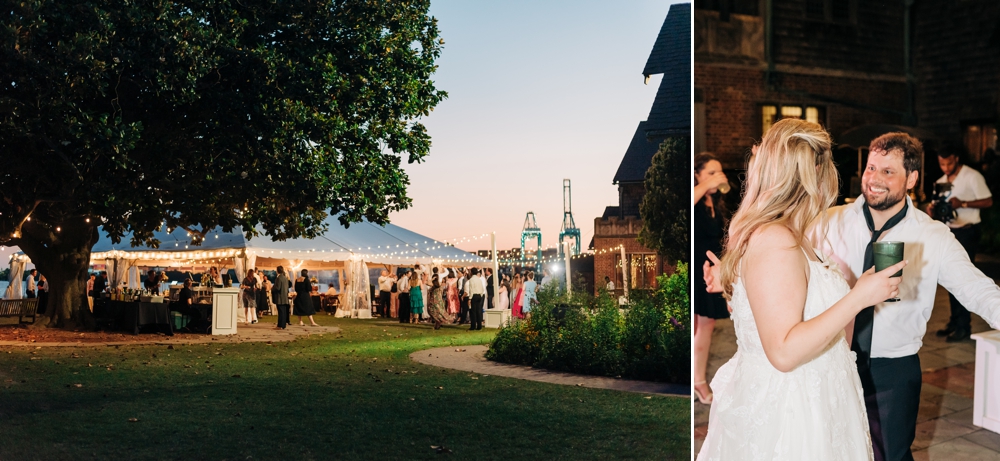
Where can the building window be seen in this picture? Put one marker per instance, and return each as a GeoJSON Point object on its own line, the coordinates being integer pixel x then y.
{"type": "Point", "coordinates": [642, 271]}
{"type": "Point", "coordinates": [772, 113]}
{"type": "Point", "coordinates": [978, 138]}
{"type": "Point", "coordinates": [832, 11]}
{"type": "Point", "coordinates": [727, 7]}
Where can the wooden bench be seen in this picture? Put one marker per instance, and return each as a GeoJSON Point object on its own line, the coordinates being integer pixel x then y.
{"type": "Point", "coordinates": [19, 308]}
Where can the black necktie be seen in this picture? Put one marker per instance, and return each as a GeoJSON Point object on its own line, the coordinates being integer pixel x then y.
{"type": "Point", "coordinates": [863, 322]}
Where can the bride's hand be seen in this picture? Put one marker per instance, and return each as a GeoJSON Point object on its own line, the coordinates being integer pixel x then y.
{"type": "Point", "coordinates": [875, 287]}
{"type": "Point", "coordinates": [711, 274]}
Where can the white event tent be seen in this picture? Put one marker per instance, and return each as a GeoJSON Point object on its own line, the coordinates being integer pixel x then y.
{"type": "Point", "coordinates": [348, 250]}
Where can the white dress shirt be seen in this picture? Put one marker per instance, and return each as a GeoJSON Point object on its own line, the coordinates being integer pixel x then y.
{"type": "Point", "coordinates": [969, 186]}
{"type": "Point", "coordinates": [934, 256]}
{"type": "Point", "coordinates": [384, 284]}
{"type": "Point", "coordinates": [476, 286]}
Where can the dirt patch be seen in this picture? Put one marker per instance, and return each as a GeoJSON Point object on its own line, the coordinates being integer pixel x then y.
{"type": "Point", "coordinates": [23, 334]}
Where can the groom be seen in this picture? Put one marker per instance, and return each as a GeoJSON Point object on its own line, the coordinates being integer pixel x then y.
{"type": "Point", "coordinates": [887, 337]}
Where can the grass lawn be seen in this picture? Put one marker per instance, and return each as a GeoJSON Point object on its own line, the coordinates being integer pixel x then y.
{"type": "Point", "coordinates": [352, 395]}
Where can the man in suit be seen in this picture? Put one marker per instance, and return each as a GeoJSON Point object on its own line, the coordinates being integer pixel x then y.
{"type": "Point", "coordinates": [489, 288]}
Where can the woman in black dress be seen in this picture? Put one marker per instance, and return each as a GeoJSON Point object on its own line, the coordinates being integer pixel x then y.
{"type": "Point", "coordinates": [303, 299]}
{"type": "Point", "coordinates": [708, 233]}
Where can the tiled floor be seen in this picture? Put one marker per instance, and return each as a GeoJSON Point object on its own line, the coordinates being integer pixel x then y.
{"type": "Point", "coordinates": [944, 422]}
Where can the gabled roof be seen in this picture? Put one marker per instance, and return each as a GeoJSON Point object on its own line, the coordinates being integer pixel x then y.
{"type": "Point", "coordinates": [671, 56]}
{"type": "Point", "coordinates": [638, 157]}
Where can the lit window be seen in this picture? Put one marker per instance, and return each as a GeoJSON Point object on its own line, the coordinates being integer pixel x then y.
{"type": "Point", "coordinates": [771, 113]}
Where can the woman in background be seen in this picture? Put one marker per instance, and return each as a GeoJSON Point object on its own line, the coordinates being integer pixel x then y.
{"type": "Point", "coordinates": [530, 298]}
{"type": "Point", "coordinates": [452, 292]}
{"type": "Point", "coordinates": [517, 288]}
{"type": "Point", "coordinates": [435, 306]}
{"type": "Point", "coordinates": [249, 296]}
{"type": "Point", "coordinates": [708, 232]}
{"type": "Point", "coordinates": [303, 299]}
{"type": "Point", "coordinates": [416, 298]}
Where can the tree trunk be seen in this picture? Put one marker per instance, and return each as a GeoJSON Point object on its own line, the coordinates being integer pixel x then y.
{"type": "Point", "coordinates": [62, 255]}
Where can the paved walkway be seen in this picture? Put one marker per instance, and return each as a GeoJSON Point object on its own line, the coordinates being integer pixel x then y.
{"type": "Point", "coordinates": [261, 332]}
{"type": "Point", "coordinates": [944, 422]}
{"type": "Point", "coordinates": [470, 358]}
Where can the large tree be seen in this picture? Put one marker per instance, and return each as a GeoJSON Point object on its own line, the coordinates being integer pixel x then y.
{"type": "Point", "coordinates": [666, 206]}
{"type": "Point", "coordinates": [197, 114]}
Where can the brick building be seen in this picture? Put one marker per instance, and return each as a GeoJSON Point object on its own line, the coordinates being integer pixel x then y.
{"type": "Point", "coordinates": [669, 116]}
{"type": "Point", "coordinates": [845, 64]}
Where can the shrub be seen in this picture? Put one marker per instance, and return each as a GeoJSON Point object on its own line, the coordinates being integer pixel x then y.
{"type": "Point", "coordinates": [650, 339]}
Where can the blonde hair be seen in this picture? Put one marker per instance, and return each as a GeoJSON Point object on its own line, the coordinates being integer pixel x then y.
{"type": "Point", "coordinates": [790, 181]}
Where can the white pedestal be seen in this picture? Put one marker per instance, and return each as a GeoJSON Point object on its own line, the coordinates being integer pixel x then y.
{"type": "Point", "coordinates": [225, 307]}
{"type": "Point", "coordinates": [495, 318]}
{"type": "Point", "coordinates": [986, 404]}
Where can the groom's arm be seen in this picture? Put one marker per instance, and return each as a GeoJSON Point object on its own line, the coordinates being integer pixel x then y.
{"type": "Point", "coordinates": [977, 292]}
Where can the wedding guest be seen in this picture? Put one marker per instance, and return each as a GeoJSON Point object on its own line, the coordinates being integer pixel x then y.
{"type": "Point", "coordinates": [416, 299]}
{"type": "Point", "coordinates": [504, 297]}
{"type": "Point", "coordinates": [886, 337]}
{"type": "Point", "coordinates": [260, 299]}
{"type": "Point", "coordinates": [517, 306]}
{"type": "Point", "coordinates": [463, 296]}
{"type": "Point", "coordinates": [384, 293]}
{"type": "Point", "coordinates": [303, 299]}
{"type": "Point", "coordinates": [609, 285]}
{"type": "Point", "coordinates": [30, 289]}
{"type": "Point", "coordinates": [435, 306]}
{"type": "Point", "coordinates": [249, 296]}
{"type": "Point", "coordinates": [451, 290]}
{"type": "Point", "coordinates": [530, 298]}
{"type": "Point", "coordinates": [265, 294]}
{"type": "Point", "coordinates": [489, 288]}
{"type": "Point", "coordinates": [394, 296]}
{"type": "Point", "coordinates": [90, 291]}
{"type": "Point", "coordinates": [403, 286]}
{"type": "Point", "coordinates": [185, 304]}
{"type": "Point", "coordinates": [709, 210]}
{"type": "Point", "coordinates": [100, 284]}
{"type": "Point", "coordinates": [43, 294]}
{"type": "Point", "coordinates": [279, 294]}
{"type": "Point", "coordinates": [475, 291]}
{"type": "Point", "coordinates": [216, 276]}
{"type": "Point", "coordinates": [151, 283]}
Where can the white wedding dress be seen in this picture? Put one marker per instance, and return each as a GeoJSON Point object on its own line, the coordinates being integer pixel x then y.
{"type": "Point", "coordinates": [815, 412]}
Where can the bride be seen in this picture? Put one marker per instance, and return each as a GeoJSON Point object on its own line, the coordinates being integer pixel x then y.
{"type": "Point", "coordinates": [792, 391]}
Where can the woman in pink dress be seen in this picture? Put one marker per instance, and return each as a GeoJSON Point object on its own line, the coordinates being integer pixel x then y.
{"type": "Point", "coordinates": [452, 292]}
{"type": "Point", "coordinates": [518, 291]}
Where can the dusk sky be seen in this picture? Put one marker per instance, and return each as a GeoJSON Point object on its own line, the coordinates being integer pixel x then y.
{"type": "Point", "coordinates": [538, 92]}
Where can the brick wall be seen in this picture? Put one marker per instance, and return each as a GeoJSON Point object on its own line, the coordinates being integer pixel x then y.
{"type": "Point", "coordinates": [608, 235]}
{"type": "Point", "coordinates": [733, 97]}
{"type": "Point", "coordinates": [956, 64]}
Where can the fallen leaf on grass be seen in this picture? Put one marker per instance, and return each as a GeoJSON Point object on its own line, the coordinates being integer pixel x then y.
{"type": "Point", "coordinates": [133, 420]}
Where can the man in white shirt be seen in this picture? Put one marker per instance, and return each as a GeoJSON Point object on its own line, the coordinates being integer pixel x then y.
{"type": "Point", "coordinates": [30, 289]}
{"type": "Point", "coordinates": [384, 293]}
{"type": "Point", "coordinates": [475, 289]}
{"type": "Point", "coordinates": [968, 195]}
{"type": "Point", "coordinates": [609, 285]}
{"type": "Point", "coordinates": [887, 340]}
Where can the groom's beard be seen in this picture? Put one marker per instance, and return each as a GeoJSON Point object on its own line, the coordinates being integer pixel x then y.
{"type": "Point", "coordinates": [887, 201]}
